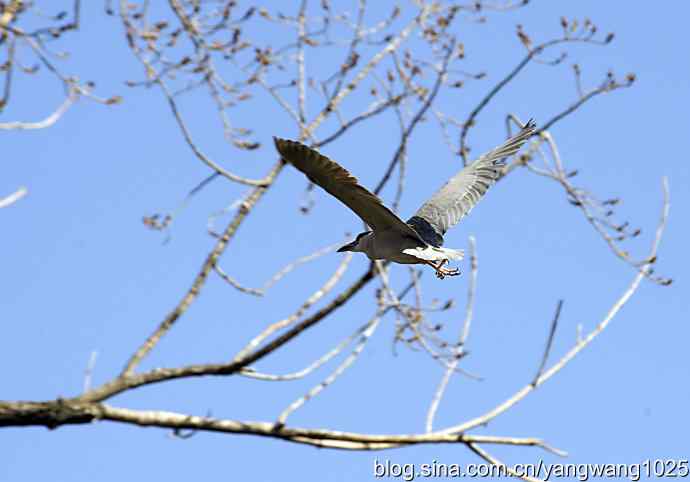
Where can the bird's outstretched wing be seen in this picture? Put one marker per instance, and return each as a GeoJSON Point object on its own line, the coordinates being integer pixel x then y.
{"type": "Point", "coordinates": [338, 182]}
{"type": "Point", "coordinates": [464, 190]}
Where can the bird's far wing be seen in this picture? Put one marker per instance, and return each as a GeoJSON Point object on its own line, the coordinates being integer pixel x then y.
{"type": "Point", "coordinates": [338, 182]}
{"type": "Point", "coordinates": [464, 190]}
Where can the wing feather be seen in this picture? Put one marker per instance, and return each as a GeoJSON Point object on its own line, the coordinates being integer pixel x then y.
{"type": "Point", "coordinates": [464, 190]}
{"type": "Point", "coordinates": [338, 182]}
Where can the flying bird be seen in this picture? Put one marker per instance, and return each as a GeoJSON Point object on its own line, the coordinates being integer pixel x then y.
{"type": "Point", "coordinates": [420, 239]}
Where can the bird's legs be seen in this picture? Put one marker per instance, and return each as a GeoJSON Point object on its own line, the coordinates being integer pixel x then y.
{"type": "Point", "coordinates": [442, 272]}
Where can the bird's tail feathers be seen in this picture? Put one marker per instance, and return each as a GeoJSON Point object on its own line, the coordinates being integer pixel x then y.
{"type": "Point", "coordinates": [454, 254]}
{"type": "Point", "coordinates": [432, 253]}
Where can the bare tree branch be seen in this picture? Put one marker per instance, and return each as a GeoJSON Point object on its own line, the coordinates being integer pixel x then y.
{"type": "Point", "coordinates": [580, 345]}
{"type": "Point", "coordinates": [14, 197]}
{"type": "Point", "coordinates": [205, 48]}
{"type": "Point", "coordinates": [452, 366]}
{"type": "Point", "coordinates": [51, 119]}
{"type": "Point", "coordinates": [200, 279]}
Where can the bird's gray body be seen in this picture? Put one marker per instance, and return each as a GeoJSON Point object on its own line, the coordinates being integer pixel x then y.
{"type": "Point", "coordinates": [419, 240]}
{"type": "Point", "coordinates": [387, 244]}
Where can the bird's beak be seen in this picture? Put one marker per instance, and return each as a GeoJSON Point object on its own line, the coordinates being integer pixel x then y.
{"type": "Point", "coordinates": [347, 247]}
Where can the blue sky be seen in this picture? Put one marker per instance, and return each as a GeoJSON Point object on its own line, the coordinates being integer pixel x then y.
{"type": "Point", "coordinates": [81, 273]}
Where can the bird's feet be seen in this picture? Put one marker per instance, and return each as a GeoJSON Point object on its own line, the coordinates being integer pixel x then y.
{"type": "Point", "coordinates": [442, 272]}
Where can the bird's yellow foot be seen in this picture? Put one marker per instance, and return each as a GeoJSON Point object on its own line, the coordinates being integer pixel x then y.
{"type": "Point", "coordinates": [442, 272]}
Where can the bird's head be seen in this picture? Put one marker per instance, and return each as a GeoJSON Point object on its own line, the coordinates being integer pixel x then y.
{"type": "Point", "coordinates": [357, 244]}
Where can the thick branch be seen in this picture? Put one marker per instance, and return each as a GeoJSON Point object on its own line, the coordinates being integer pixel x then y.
{"type": "Point", "coordinates": [57, 413]}
{"type": "Point", "coordinates": [200, 279]}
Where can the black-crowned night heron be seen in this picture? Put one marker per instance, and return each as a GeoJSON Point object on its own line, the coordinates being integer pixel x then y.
{"type": "Point", "coordinates": [419, 240]}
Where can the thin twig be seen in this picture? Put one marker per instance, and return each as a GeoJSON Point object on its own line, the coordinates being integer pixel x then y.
{"type": "Point", "coordinates": [195, 149]}
{"type": "Point", "coordinates": [340, 369]}
{"type": "Point", "coordinates": [440, 79]}
{"type": "Point", "coordinates": [532, 53]}
{"type": "Point", "coordinates": [549, 341]}
{"type": "Point", "coordinates": [199, 281]}
{"type": "Point", "coordinates": [613, 311]}
{"type": "Point", "coordinates": [301, 75]}
{"type": "Point", "coordinates": [373, 111]}
{"type": "Point", "coordinates": [577, 104]}
{"type": "Point", "coordinates": [88, 372]}
{"type": "Point", "coordinates": [278, 275]}
{"type": "Point", "coordinates": [14, 197]}
{"type": "Point", "coordinates": [493, 460]}
{"type": "Point", "coordinates": [159, 375]}
{"type": "Point", "coordinates": [72, 97]}
{"type": "Point", "coordinates": [453, 364]}
{"type": "Point", "coordinates": [251, 373]}
{"type": "Point", "coordinates": [285, 322]}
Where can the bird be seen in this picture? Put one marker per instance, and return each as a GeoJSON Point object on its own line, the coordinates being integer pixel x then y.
{"type": "Point", "coordinates": [420, 239]}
